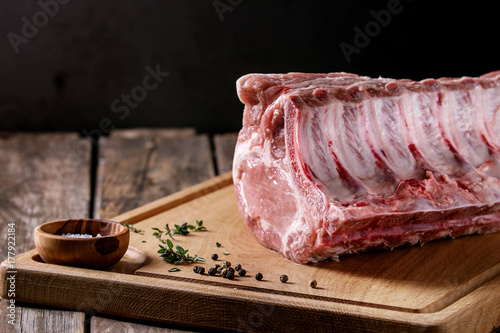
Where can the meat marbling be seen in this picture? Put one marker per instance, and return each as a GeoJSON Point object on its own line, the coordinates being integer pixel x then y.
{"type": "Point", "coordinates": [333, 164]}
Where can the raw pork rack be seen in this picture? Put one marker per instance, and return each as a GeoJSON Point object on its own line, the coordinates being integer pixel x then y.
{"type": "Point", "coordinates": [333, 164]}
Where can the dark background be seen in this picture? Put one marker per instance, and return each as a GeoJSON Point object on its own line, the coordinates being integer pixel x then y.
{"type": "Point", "coordinates": [91, 52]}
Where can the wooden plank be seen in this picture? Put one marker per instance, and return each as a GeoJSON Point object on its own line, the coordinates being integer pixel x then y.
{"type": "Point", "coordinates": [45, 176]}
{"type": "Point", "coordinates": [133, 172]}
{"type": "Point", "coordinates": [224, 151]}
{"type": "Point", "coordinates": [152, 133]}
{"type": "Point", "coordinates": [443, 286]}
{"type": "Point", "coordinates": [43, 320]}
{"type": "Point", "coordinates": [107, 325]}
{"type": "Point", "coordinates": [39, 320]}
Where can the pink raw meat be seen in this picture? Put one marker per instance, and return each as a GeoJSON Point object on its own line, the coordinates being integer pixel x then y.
{"type": "Point", "coordinates": [332, 164]}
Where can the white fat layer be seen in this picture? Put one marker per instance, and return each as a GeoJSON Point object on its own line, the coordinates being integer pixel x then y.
{"type": "Point", "coordinates": [462, 126]}
{"type": "Point", "coordinates": [387, 133]}
{"type": "Point", "coordinates": [491, 115]}
{"type": "Point", "coordinates": [352, 136]}
{"type": "Point", "coordinates": [352, 149]}
{"type": "Point", "coordinates": [420, 112]}
{"type": "Point", "coordinates": [316, 155]}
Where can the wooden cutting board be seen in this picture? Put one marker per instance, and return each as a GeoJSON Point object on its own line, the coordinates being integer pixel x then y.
{"type": "Point", "coordinates": [446, 285]}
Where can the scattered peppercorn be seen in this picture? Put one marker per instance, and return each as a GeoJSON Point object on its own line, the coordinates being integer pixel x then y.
{"type": "Point", "coordinates": [259, 276]}
{"type": "Point", "coordinates": [231, 269]}
{"type": "Point", "coordinates": [216, 266]}
{"type": "Point", "coordinates": [242, 272]}
{"type": "Point", "coordinates": [224, 272]}
{"type": "Point", "coordinates": [313, 283]}
{"type": "Point", "coordinates": [283, 278]}
{"type": "Point", "coordinates": [230, 275]}
{"type": "Point", "coordinates": [212, 271]}
{"type": "Point", "coordinates": [215, 256]}
{"type": "Point", "coordinates": [237, 267]}
{"type": "Point", "coordinates": [195, 269]}
{"type": "Point", "coordinates": [219, 270]}
{"type": "Point", "coordinates": [201, 270]}
{"type": "Point", "coordinates": [226, 264]}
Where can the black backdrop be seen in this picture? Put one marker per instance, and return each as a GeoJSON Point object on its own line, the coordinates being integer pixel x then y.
{"type": "Point", "coordinates": [84, 65]}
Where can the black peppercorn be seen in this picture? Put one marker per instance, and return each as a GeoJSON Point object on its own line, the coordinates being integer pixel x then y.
{"type": "Point", "coordinates": [216, 266]}
{"type": "Point", "coordinates": [212, 271]}
{"type": "Point", "coordinates": [226, 264]}
{"type": "Point", "coordinates": [259, 276]}
{"type": "Point", "coordinates": [215, 256]}
{"type": "Point", "coordinates": [201, 270]}
{"type": "Point", "coordinates": [230, 275]}
{"type": "Point", "coordinates": [237, 267]}
{"type": "Point", "coordinates": [224, 272]}
{"type": "Point", "coordinates": [195, 269]}
{"type": "Point", "coordinates": [313, 283]}
{"type": "Point", "coordinates": [283, 278]}
{"type": "Point", "coordinates": [242, 272]}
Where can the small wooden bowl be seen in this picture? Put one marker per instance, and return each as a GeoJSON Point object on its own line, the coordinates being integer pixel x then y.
{"type": "Point", "coordinates": [94, 252]}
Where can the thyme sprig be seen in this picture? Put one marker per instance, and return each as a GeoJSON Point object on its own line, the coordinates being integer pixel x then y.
{"type": "Point", "coordinates": [177, 255]}
{"type": "Point", "coordinates": [159, 234]}
{"type": "Point", "coordinates": [182, 229]}
{"type": "Point", "coordinates": [198, 227]}
{"type": "Point", "coordinates": [134, 229]}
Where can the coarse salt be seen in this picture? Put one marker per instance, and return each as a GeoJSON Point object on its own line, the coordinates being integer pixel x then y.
{"type": "Point", "coordinates": [79, 235]}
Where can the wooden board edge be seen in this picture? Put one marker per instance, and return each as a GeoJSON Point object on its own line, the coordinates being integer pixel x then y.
{"type": "Point", "coordinates": [146, 293]}
{"type": "Point", "coordinates": [175, 199]}
{"type": "Point", "coordinates": [467, 288]}
{"type": "Point", "coordinates": [477, 311]}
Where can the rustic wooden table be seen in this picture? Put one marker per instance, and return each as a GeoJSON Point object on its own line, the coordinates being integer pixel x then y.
{"type": "Point", "coordinates": [48, 176]}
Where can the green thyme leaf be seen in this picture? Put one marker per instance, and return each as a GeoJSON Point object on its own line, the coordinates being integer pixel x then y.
{"type": "Point", "coordinates": [197, 258]}
{"type": "Point", "coordinates": [199, 226]}
{"type": "Point", "coordinates": [133, 229]}
{"type": "Point", "coordinates": [168, 254]}
{"type": "Point", "coordinates": [175, 269]}
{"type": "Point", "coordinates": [178, 230]}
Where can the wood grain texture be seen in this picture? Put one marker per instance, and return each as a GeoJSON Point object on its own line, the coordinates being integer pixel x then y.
{"type": "Point", "coordinates": [444, 286]}
{"type": "Point", "coordinates": [51, 321]}
{"type": "Point", "coordinates": [224, 151]}
{"type": "Point", "coordinates": [107, 325]}
{"type": "Point", "coordinates": [136, 171]}
{"type": "Point", "coordinates": [45, 176]}
{"type": "Point", "coordinates": [152, 133]}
